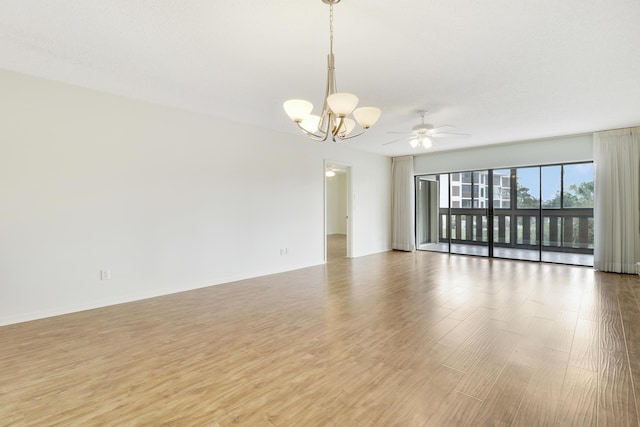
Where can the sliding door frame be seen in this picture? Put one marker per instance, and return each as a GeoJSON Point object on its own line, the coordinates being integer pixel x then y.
{"type": "Point", "coordinates": [560, 215]}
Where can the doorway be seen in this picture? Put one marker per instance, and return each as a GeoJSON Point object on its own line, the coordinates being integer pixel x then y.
{"type": "Point", "coordinates": [337, 211]}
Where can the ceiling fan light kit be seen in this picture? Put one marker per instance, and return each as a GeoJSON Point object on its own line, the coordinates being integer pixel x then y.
{"type": "Point", "coordinates": [334, 121]}
{"type": "Point", "coordinates": [423, 141]}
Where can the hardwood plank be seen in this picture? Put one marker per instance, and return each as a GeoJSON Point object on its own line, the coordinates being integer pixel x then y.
{"type": "Point", "coordinates": [466, 354]}
{"type": "Point", "coordinates": [563, 331]}
{"type": "Point", "coordinates": [629, 305]}
{"type": "Point", "coordinates": [502, 403]}
{"type": "Point", "coordinates": [611, 336]}
{"type": "Point", "coordinates": [634, 367]}
{"type": "Point", "coordinates": [529, 349]}
{"type": "Point", "coordinates": [458, 409]}
{"type": "Point", "coordinates": [578, 399]}
{"type": "Point", "coordinates": [544, 389]}
{"type": "Point", "coordinates": [482, 375]}
{"type": "Point", "coordinates": [585, 349]}
{"type": "Point", "coordinates": [590, 302]}
{"type": "Point", "coordinates": [616, 402]}
{"type": "Point", "coordinates": [423, 396]}
{"type": "Point", "coordinates": [467, 328]}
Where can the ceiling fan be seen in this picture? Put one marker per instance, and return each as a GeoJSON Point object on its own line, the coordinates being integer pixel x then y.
{"type": "Point", "coordinates": [422, 133]}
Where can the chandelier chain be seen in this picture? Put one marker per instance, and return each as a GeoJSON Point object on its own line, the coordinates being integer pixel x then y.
{"type": "Point", "coordinates": [331, 27]}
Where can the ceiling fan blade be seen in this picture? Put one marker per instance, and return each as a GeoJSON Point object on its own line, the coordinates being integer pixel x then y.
{"type": "Point", "coordinates": [448, 134]}
{"type": "Point", "coordinates": [443, 126]}
{"type": "Point", "coordinates": [396, 140]}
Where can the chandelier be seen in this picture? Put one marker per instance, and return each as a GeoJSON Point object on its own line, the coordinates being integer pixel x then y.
{"type": "Point", "coordinates": [334, 121]}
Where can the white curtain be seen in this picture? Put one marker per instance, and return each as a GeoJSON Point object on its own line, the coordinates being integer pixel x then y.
{"type": "Point", "coordinates": [402, 204]}
{"type": "Point", "coordinates": [616, 156]}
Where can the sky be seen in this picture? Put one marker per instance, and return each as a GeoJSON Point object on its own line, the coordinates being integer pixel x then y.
{"type": "Point", "coordinates": [573, 174]}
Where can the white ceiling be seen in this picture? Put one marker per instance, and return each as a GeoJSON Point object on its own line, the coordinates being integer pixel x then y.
{"type": "Point", "coordinates": [501, 70]}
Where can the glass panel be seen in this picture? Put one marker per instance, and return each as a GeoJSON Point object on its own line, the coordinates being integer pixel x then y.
{"type": "Point", "coordinates": [502, 189]}
{"type": "Point", "coordinates": [501, 229]}
{"type": "Point", "coordinates": [470, 220]}
{"type": "Point", "coordinates": [443, 220]}
{"type": "Point", "coordinates": [432, 209]}
{"type": "Point", "coordinates": [551, 187]}
{"type": "Point", "coordinates": [456, 193]}
{"type": "Point", "coordinates": [578, 186]}
{"type": "Point", "coordinates": [516, 231]}
{"type": "Point", "coordinates": [573, 242]}
{"type": "Point", "coordinates": [454, 227]}
{"type": "Point", "coordinates": [568, 227]}
{"type": "Point", "coordinates": [527, 230]}
{"type": "Point", "coordinates": [552, 231]}
{"type": "Point", "coordinates": [480, 187]}
{"type": "Point", "coordinates": [528, 188]}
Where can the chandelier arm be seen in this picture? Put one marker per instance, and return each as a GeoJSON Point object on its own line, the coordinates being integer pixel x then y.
{"type": "Point", "coordinates": [336, 130]}
{"type": "Point", "coordinates": [353, 136]}
{"type": "Point", "coordinates": [327, 124]}
{"type": "Point", "coordinates": [315, 137]}
{"type": "Point", "coordinates": [322, 137]}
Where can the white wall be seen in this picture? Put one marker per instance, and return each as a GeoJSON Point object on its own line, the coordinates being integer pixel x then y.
{"type": "Point", "coordinates": [546, 151]}
{"type": "Point", "coordinates": [337, 204]}
{"type": "Point", "coordinates": [168, 200]}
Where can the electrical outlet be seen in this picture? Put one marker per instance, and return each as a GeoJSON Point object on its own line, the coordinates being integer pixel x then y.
{"type": "Point", "coordinates": [105, 274]}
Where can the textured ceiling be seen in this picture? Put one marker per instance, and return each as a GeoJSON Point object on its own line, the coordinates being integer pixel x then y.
{"type": "Point", "coordinates": [500, 70]}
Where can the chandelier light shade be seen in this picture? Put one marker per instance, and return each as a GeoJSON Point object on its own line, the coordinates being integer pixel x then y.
{"type": "Point", "coordinates": [298, 109]}
{"type": "Point", "coordinates": [335, 120]}
{"type": "Point", "coordinates": [311, 123]}
{"type": "Point", "coordinates": [342, 104]}
{"type": "Point", "coordinates": [367, 116]}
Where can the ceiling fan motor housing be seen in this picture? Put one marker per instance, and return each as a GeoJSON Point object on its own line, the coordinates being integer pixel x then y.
{"type": "Point", "coordinates": [422, 128]}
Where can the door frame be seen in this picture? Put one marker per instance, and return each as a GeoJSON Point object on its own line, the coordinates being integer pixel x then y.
{"type": "Point", "coordinates": [349, 194]}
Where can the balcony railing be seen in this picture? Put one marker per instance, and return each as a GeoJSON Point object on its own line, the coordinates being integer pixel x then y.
{"type": "Point", "coordinates": [561, 230]}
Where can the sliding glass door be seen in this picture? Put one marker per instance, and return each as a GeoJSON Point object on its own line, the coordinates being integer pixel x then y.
{"type": "Point", "coordinates": [539, 213]}
{"type": "Point", "coordinates": [567, 214]}
{"type": "Point", "coordinates": [502, 219]}
{"type": "Point", "coordinates": [469, 213]}
{"type": "Point", "coordinates": [520, 218]}
{"type": "Point", "coordinates": [432, 212]}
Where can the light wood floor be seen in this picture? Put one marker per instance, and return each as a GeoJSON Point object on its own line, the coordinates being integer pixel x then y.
{"type": "Point", "coordinates": [336, 248]}
{"type": "Point", "coordinates": [394, 339]}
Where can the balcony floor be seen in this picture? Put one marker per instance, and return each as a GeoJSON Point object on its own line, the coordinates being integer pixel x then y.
{"type": "Point", "coordinates": [521, 254]}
